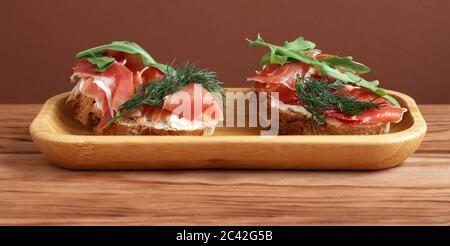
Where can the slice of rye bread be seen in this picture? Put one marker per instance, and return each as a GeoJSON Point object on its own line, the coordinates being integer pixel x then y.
{"type": "Point", "coordinates": [88, 114]}
{"type": "Point", "coordinates": [294, 123]}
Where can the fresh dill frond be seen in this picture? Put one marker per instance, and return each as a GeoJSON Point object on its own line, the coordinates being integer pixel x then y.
{"type": "Point", "coordinates": [154, 92]}
{"type": "Point", "coordinates": [317, 96]}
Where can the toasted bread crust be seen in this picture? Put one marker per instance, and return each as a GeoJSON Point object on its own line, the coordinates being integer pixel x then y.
{"type": "Point", "coordinates": [293, 123]}
{"type": "Point", "coordinates": [136, 127]}
{"type": "Point", "coordinates": [86, 112]}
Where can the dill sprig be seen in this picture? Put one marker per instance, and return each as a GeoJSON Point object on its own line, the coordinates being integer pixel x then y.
{"type": "Point", "coordinates": [317, 96]}
{"type": "Point", "coordinates": [154, 92]}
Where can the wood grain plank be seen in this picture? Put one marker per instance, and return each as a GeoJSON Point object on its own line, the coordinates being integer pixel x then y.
{"type": "Point", "coordinates": [15, 120]}
{"type": "Point", "coordinates": [437, 138]}
{"type": "Point", "coordinates": [34, 192]}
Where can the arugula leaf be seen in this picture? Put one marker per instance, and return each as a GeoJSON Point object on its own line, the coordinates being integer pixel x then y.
{"type": "Point", "coordinates": [272, 58]}
{"type": "Point", "coordinates": [277, 51]}
{"type": "Point", "coordinates": [265, 59]}
{"type": "Point", "coordinates": [95, 55]}
{"type": "Point", "coordinates": [346, 63]}
{"type": "Point", "coordinates": [102, 62]}
{"type": "Point", "coordinates": [122, 46]}
{"type": "Point", "coordinates": [299, 44]}
{"type": "Point", "coordinates": [298, 51]}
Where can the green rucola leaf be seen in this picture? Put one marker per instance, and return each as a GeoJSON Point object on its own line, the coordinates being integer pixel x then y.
{"type": "Point", "coordinates": [278, 51]}
{"type": "Point", "coordinates": [299, 44]}
{"type": "Point", "coordinates": [346, 63]}
{"type": "Point", "coordinates": [95, 56]}
{"type": "Point", "coordinates": [122, 46]}
{"type": "Point", "coordinates": [391, 99]}
{"type": "Point", "coordinates": [265, 59]}
{"type": "Point", "coordinates": [272, 58]}
{"type": "Point", "coordinates": [276, 59]}
{"type": "Point", "coordinates": [258, 41]}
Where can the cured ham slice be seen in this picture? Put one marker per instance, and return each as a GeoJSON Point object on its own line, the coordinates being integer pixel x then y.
{"type": "Point", "coordinates": [146, 75]}
{"type": "Point", "coordinates": [151, 73]}
{"type": "Point", "coordinates": [157, 114]}
{"type": "Point", "coordinates": [137, 79]}
{"type": "Point", "coordinates": [134, 64]}
{"type": "Point", "coordinates": [386, 113]}
{"type": "Point", "coordinates": [275, 74]}
{"type": "Point", "coordinates": [281, 79]}
{"type": "Point", "coordinates": [90, 89]}
{"type": "Point", "coordinates": [193, 102]}
{"type": "Point", "coordinates": [116, 82]}
{"type": "Point", "coordinates": [111, 88]}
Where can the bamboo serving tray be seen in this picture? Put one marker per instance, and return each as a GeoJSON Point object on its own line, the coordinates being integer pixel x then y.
{"type": "Point", "coordinates": [68, 144]}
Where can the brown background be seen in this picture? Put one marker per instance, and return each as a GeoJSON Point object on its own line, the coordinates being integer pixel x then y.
{"type": "Point", "coordinates": [404, 42]}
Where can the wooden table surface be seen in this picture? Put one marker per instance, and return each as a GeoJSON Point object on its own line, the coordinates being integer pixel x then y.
{"type": "Point", "coordinates": [33, 191]}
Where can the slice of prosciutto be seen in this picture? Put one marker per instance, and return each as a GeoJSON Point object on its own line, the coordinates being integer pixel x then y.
{"type": "Point", "coordinates": [193, 102]}
{"type": "Point", "coordinates": [146, 75]}
{"type": "Point", "coordinates": [386, 113]}
{"type": "Point", "coordinates": [279, 78]}
{"type": "Point", "coordinates": [116, 82]}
